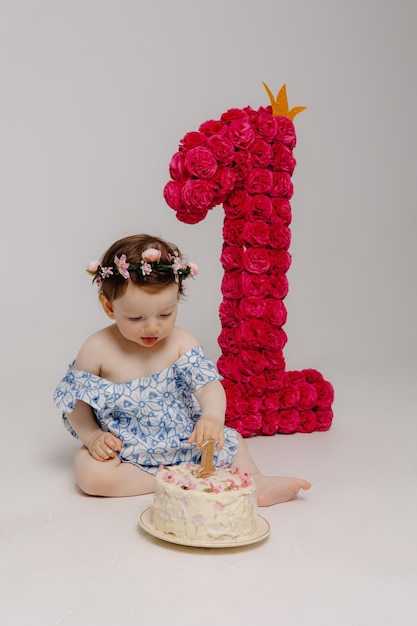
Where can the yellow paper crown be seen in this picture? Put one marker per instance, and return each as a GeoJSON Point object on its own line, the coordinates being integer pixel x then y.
{"type": "Point", "coordinates": [280, 103]}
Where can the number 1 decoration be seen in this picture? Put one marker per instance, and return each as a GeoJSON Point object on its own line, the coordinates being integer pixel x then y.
{"type": "Point", "coordinates": [245, 162]}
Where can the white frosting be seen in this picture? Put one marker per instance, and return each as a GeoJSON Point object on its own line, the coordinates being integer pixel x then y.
{"type": "Point", "coordinates": [219, 507]}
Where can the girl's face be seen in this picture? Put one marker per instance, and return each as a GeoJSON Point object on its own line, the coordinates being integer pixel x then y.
{"type": "Point", "coordinates": [144, 317]}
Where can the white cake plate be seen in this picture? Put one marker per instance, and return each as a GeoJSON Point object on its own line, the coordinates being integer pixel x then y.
{"type": "Point", "coordinates": [262, 531]}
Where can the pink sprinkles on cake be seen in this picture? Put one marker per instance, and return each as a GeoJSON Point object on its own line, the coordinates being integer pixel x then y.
{"type": "Point", "coordinates": [191, 482]}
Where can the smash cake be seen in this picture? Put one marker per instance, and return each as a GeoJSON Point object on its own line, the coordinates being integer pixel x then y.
{"type": "Point", "coordinates": [219, 507]}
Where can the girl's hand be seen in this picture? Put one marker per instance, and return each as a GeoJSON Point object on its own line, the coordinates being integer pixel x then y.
{"type": "Point", "coordinates": [207, 428]}
{"type": "Point", "coordinates": [103, 446]}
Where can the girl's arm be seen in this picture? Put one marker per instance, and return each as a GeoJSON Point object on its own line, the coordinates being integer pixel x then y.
{"type": "Point", "coordinates": [100, 444]}
{"type": "Point", "coordinates": [212, 401]}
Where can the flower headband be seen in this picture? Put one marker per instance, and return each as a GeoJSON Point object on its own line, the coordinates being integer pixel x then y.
{"type": "Point", "coordinates": [150, 261]}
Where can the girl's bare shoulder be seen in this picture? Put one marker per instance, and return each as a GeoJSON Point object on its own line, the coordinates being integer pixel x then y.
{"type": "Point", "coordinates": [184, 340]}
{"type": "Point", "coordinates": [90, 355]}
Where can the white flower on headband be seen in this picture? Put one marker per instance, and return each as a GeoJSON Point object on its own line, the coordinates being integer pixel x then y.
{"type": "Point", "coordinates": [177, 264]}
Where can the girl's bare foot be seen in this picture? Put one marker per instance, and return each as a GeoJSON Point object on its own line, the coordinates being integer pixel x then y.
{"type": "Point", "coordinates": [275, 489]}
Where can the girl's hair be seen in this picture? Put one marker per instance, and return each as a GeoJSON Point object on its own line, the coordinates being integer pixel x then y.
{"type": "Point", "coordinates": [133, 246]}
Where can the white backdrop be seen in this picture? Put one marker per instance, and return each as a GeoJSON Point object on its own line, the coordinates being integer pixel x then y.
{"type": "Point", "coordinates": [95, 96]}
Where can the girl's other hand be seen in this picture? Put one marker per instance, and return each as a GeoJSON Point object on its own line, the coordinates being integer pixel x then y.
{"type": "Point", "coordinates": [207, 428]}
{"type": "Point", "coordinates": [103, 446]}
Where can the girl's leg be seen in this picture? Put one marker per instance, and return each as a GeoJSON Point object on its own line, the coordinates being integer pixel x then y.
{"type": "Point", "coordinates": [270, 489]}
{"type": "Point", "coordinates": [110, 478]}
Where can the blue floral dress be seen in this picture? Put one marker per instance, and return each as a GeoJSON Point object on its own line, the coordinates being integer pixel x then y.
{"type": "Point", "coordinates": [153, 416]}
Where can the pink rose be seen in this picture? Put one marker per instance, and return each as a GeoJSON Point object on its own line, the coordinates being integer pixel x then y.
{"type": "Point", "coordinates": [312, 376]}
{"type": "Point", "coordinates": [278, 286]}
{"type": "Point", "coordinates": [259, 180]}
{"type": "Point", "coordinates": [176, 167]}
{"type": "Point", "coordinates": [235, 205]}
{"type": "Point", "coordinates": [283, 160]}
{"type": "Point", "coordinates": [241, 134]}
{"type": "Point", "coordinates": [253, 333]}
{"type": "Point", "coordinates": [222, 148]}
{"type": "Point", "coordinates": [194, 269]}
{"type": "Point", "coordinates": [231, 258]}
{"type": "Point", "coordinates": [280, 261]}
{"type": "Point", "coordinates": [289, 396]}
{"type": "Point", "coordinates": [325, 394]}
{"type": "Point", "coordinates": [172, 194]}
{"type": "Point", "coordinates": [265, 125]}
{"type": "Point", "coordinates": [151, 255]}
{"type": "Point", "coordinates": [251, 425]}
{"type": "Point", "coordinates": [282, 186]}
{"type": "Point", "coordinates": [190, 216]}
{"type": "Point", "coordinates": [275, 339]}
{"type": "Point", "coordinates": [191, 140]}
{"type": "Point", "coordinates": [308, 422]}
{"type": "Point", "coordinates": [275, 360]}
{"type": "Point", "coordinates": [256, 260]}
{"type": "Point", "coordinates": [229, 340]}
{"type": "Point", "coordinates": [234, 114]}
{"type": "Point", "coordinates": [270, 423]}
{"type": "Point", "coordinates": [233, 397]}
{"type": "Point", "coordinates": [308, 396]}
{"type": "Point", "coordinates": [324, 419]}
{"type": "Point", "coordinates": [229, 312]}
{"type": "Point", "coordinates": [289, 421]}
{"type": "Point", "coordinates": [252, 307]}
{"type": "Point", "coordinates": [296, 377]}
{"type": "Point", "coordinates": [228, 366]}
{"type": "Point", "coordinates": [279, 236]}
{"type": "Point", "coordinates": [250, 405]}
{"type": "Point", "coordinates": [261, 153]}
{"type": "Point", "coordinates": [242, 165]}
{"type": "Point", "coordinates": [252, 385]}
{"type": "Point", "coordinates": [197, 195]}
{"type": "Point", "coordinates": [93, 266]}
{"type": "Point", "coordinates": [252, 362]}
{"type": "Point", "coordinates": [212, 127]}
{"type": "Point", "coordinates": [275, 312]}
{"type": "Point", "coordinates": [259, 207]}
{"type": "Point", "coordinates": [281, 209]}
{"type": "Point", "coordinates": [274, 379]}
{"type": "Point", "coordinates": [234, 422]}
{"type": "Point", "coordinates": [285, 132]}
{"type": "Point", "coordinates": [232, 231]}
{"type": "Point", "coordinates": [271, 401]}
{"type": "Point", "coordinates": [255, 285]}
{"type": "Point", "coordinates": [255, 233]}
{"type": "Point", "coordinates": [223, 183]}
{"type": "Point", "coordinates": [250, 113]}
{"type": "Point", "coordinates": [200, 162]}
{"type": "Point", "coordinates": [231, 285]}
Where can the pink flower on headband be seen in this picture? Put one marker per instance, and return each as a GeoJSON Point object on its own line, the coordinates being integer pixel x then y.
{"type": "Point", "coordinates": [122, 266]}
{"type": "Point", "coordinates": [193, 269]}
{"type": "Point", "coordinates": [151, 255]}
{"type": "Point", "coordinates": [176, 264]}
{"type": "Point", "coordinates": [93, 266]}
{"type": "Point", "coordinates": [150, 261]}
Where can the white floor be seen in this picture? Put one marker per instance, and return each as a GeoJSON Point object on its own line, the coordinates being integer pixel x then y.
{"type": "Point", "coordinates": [343, 554]}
